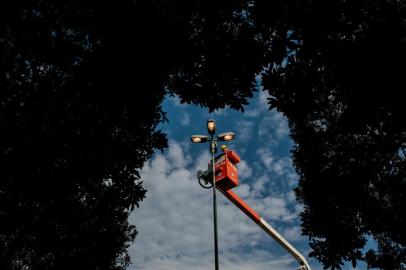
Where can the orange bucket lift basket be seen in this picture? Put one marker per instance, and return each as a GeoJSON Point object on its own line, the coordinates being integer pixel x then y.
{"type": "Point", "coordinates": [225, 170]}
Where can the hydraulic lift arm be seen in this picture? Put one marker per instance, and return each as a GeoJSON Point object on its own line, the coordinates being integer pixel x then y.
{"type": "Point", "coordinates": [234, 198]}
{"type": "Point", "coordinates": [226, 179]}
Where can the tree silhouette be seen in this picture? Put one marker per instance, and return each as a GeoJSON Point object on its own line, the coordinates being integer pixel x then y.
{"type": "Point", "coordinates": [82, 84]}
{"type": "Point", "coordinates": [72, 138]}
{"type": "Point", "coordinates": [341, 89]}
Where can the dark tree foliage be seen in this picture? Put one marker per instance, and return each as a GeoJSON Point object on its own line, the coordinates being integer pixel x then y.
{"type": "Point", "coordinates": [73, 134]}
{"type": "Point", "coordinates": [342, 89]}
{"type": "Point", "coordinates": [81, 85]}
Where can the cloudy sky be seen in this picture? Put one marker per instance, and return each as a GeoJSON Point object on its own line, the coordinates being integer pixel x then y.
{"type": "Point", "coordinates": [175, 221]}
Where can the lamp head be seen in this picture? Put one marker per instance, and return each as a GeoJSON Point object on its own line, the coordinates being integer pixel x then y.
{"type": "Point", "coordinates": [211, 126]}
{"type": "Point", "coordinates": [226, 136]}
{"type": "Point", "coordinates": [199, 138]}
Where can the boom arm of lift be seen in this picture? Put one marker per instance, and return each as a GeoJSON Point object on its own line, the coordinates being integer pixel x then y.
{"type": "Point", "coordinates": [234, 198]}
{"type": "Point", "coordinates": [206, 177]}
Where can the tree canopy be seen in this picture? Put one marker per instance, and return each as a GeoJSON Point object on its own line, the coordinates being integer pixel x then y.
{"type": "Point", "coordinates": [341, 90]}
{"type": "Point", "coordinates": [82, 84]}
{"type": "Point", "coordinates": [81, 88]}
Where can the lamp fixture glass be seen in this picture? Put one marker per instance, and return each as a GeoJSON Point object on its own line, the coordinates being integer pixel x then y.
{"type": "Point", "coordinates": [226, 136]}
{"type": "Point", "coordinates": [211, 126]}
{"type": "Point", "coordinates": [199, 138]}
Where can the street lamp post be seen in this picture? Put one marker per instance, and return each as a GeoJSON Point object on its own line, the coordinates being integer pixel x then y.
{"type": "Point", "coordinates": [228, 136]}
{"type": "Point", "coordinates": [234, 198]}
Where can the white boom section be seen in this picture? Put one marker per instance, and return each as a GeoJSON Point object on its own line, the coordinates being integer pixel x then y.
{"type": "Point", "coordinates": [283, 242]}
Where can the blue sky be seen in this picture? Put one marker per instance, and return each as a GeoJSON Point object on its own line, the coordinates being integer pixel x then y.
{"type": "Point", "coordinates": [175, 220]}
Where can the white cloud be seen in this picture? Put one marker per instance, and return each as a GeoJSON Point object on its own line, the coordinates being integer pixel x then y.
{"type": "Point", "coordinates": [176, 156]}
{"type": "Point", "coordinates": [243, 191]}
{"type": "Point", "coordinates": [244, 171]}
{"type": "Point", "coordinates": [245, 261]}
{"type": "Point", "coordinates": [290, 196]}
{"type": "Point", "coordinates": [258, 105]}
{"type": "Point", "coordinates": [265, 156]}
{"type": "Point", "coordinates": [280, 166]}
{"type": "Point", "coordinates": [293, 233]}
{"type": "Point", "coordinates": [175, 220]}
{"type": "Point", "coordinates": [252, 113]}
{"type": "Point", "coordinates": [259, 185]}
{"type": "Point", "coordinates": [263, 100]}
{"type": "Point", "coordinates": [185, 119]}
{"type": "Point", "coordinates": [274, 209]}
{"type": "Point", "coordinates": [244, 130]}
{"type": "Point", "coordinates": [273, 126]}
{"type": "Point", "coordinates": [175, 100]}
{"type": "Point", "coordinates": [220, 112]}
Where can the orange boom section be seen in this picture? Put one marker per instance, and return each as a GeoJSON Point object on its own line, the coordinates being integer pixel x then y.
{"type": "Point", "coordinates": [242, 205]}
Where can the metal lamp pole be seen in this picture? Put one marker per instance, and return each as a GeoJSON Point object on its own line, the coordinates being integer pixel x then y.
{"type": "Point", "coordinates": [226, 136]}
{"type": "Point", "coordinates": [212, 151]}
